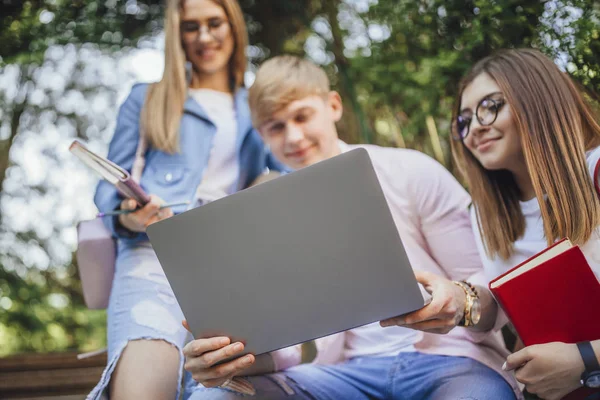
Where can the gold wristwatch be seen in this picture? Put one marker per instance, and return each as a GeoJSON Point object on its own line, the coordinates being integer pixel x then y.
{"type": "Point", "coordinates": [472, 312]}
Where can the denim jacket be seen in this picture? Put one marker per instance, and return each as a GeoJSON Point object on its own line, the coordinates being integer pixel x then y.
{"type": "Point", "coordinates": [175, 177]}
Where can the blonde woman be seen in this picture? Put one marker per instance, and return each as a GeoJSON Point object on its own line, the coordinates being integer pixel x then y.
{"type": "Point", "coordinates": [529, 146]}
{"type": "Point", "coordinates": [201, 146]}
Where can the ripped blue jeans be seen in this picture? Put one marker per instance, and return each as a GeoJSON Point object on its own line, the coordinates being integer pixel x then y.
{"type": "Point", "coordinates": [408, 375]}
{"type": "Point", "coordinates": [141, 306]}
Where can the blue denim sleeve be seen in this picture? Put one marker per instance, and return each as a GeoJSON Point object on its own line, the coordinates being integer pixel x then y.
{"type": "Point", "coordinates": [121, 151]}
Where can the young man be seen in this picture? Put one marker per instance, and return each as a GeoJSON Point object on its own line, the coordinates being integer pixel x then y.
{"type": "Point", "coordinates": [296, 114]}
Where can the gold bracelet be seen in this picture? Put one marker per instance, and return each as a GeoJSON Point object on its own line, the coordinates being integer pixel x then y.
{"type": "Point", "coordinates": [466, 318]}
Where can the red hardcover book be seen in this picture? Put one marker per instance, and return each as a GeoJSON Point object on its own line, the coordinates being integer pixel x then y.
{"type": "Point", "coordinates": [552, 297]}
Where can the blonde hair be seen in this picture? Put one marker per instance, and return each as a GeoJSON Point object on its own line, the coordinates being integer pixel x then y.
{"type": "Point", "coordinates": [163, 108]}
{"type": "Point", "coordinates": [556, 127]}
{"type": "Point", "coordinates": [281, 81]}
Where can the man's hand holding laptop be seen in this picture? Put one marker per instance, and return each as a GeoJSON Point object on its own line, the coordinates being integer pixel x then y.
{"type": "Point", "coordinates": [203, 357]}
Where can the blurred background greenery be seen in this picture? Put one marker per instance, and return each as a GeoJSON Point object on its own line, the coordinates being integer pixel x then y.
{"type": "Point", "coordinates": [65, 66]}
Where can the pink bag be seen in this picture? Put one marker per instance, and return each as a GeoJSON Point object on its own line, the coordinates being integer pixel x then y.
{"type": "Point", "coordinates": [97, 249]}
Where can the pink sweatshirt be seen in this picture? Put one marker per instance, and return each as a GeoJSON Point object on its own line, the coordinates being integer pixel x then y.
{"type": "Point", "coordinates": [430, 209]}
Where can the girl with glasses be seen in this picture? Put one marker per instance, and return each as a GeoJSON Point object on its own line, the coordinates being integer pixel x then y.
{"type": "Point", "coordinates": [528, 144]}
{"type": "Point", "coordinates": [200, 146]}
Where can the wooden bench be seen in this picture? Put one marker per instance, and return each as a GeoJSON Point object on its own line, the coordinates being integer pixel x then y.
{"type": "Point", "coordinates": [49, 376]}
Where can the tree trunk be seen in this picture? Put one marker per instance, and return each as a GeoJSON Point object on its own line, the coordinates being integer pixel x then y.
{"type": "Point", "coordinates": [5, 145]}
{"type": "Point", "coordinates": [355, 120]}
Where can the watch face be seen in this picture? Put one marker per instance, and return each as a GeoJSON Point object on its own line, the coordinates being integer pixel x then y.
{"type": "Point", "coordinates": [475, 312]}
{"type": "Point", "coordinates": [593, 380]}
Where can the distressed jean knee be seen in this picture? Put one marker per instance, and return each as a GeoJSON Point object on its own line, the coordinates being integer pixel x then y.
{"type": "Point", "coordinates": [158, 309]}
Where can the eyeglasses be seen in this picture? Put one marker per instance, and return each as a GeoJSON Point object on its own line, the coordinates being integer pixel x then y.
{"type": "Point", "coordinates": [486, 113]}
{"type": "Point", "coordinates": [217, 28]}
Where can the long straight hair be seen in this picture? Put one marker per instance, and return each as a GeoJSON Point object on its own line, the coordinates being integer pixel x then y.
{"type": "Point", "coordinates": [163, 109]}
{"type": "Point", "coordinates": [556, 127]}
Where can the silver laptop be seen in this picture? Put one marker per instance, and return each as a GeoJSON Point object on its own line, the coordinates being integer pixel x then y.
{"type": "Point", "coordinates": [303, 256]}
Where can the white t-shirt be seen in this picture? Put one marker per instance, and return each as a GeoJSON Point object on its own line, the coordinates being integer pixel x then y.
{"type": "Point", "coordinates": [220, 175]}
{"type": "Point", "coordinates": [533, 240]}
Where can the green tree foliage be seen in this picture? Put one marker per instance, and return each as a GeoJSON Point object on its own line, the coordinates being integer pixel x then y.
{"type": "Point", "coordinates": [414, 72]}
{"type": "Point", "coordinates": [571, 32]}
{"type": "Point", "coordinates": [29, 27]}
